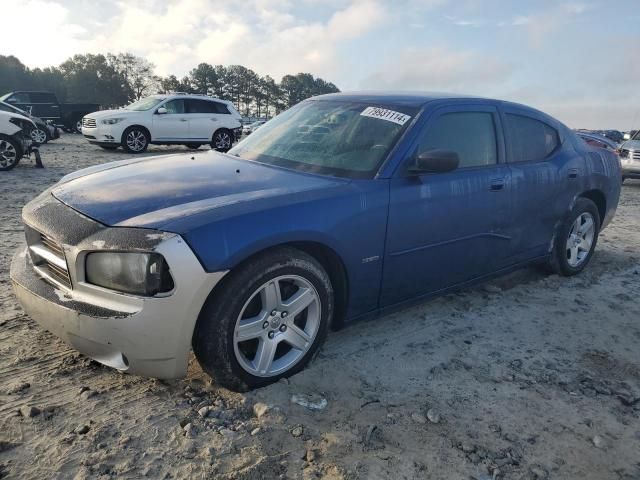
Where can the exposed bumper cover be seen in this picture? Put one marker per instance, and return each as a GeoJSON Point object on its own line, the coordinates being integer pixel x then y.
{"type": "Point", "coordinates": [145, 336]}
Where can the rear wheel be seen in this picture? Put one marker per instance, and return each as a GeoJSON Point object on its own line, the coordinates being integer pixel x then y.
{"type": "Point", "coordinates": [266, 321]}
{"type": "Point", "coordinates": [576, 239]}
{"type": "Point", "coordinates": [77, 127]}
{"type": "Point", "coordinates": [222, 140]}
{"type": "Point", "coordinates": [10, 153]}
{"type": "Point", "coordinates": [135, 140]}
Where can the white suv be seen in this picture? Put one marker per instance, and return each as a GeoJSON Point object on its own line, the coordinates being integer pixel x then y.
{"type": "Point", "coordinates": [172, 119]}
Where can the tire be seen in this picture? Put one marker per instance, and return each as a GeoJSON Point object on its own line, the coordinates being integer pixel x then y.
{"type": "Point", "coordinates": [193, 146]}
{"type": "Point", "coordinates": [77, 126]}
{"type": "Point", "coordinates": [40, 136]}
{"type": "Point", "coordinates": [570, 260]}
{"type": "Point", "coordinates": [135, 139]}
{"type": "Point", "coordinates": [109, 147]}
{"type": "Point", "coordinates": [10, 153]}
{"type": "Point", "coordinates": [246, 293]}
{"type": "Point", "coordinates": [222, 140]}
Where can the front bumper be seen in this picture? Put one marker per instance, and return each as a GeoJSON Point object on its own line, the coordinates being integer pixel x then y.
{"type": "Point", "coordinates": [103, 134]}
{"type": "Point", "coordinates": [149, 336]}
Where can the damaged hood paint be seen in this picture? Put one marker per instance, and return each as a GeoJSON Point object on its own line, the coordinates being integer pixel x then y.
{"type": "Point", "coordinates": [157, 192]}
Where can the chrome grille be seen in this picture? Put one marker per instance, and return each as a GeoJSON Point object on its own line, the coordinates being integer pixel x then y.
{"type": "Point", "coordinates": [48, 257]}
{"type": "Point", "coordinates": [89, 122]}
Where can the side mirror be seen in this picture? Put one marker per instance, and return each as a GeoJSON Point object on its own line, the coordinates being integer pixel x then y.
{"type": "Point", "coordinates": [435, 161]}
{"type": "Point", "coordinates": [161, 111]}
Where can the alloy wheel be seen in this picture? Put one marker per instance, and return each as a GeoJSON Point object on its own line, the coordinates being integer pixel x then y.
{"type": "Point", "coordinates": [136, 140]}
{"type": "Point", "coordinates": [580, 239]}
{"type": "Point", "coordinates": [222, 141]}
{"type": "Point", "coordinates": [8, 154]}
{"type": "Point", "coordinates": [38, 135]}
{"type": "Point", "coordinates": [277, 326]}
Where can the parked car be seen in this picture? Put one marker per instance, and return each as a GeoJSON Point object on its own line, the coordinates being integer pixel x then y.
{"type": "Point", "coordinates": [613, 135]}
{"type": "Point", "coordinates": [630, 157]}
{"type": "Point", "coordinates": [599, 141]}
{"type": "Point", "coordinates": [15, 139]}
{"type": "Point", "coordinates": [252, 127]}
{"type": "Point", "coordinates": [46, 106]}
{"type": "Point", "coordinates": [176, 119]}
{"type": "Point", "coordinates": [43, 131]}
{"type": "Point", "coordinates": [344, 207]}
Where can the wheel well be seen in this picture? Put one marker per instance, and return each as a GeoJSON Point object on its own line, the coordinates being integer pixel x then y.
{"type": "Point", "coordinates": [141, 127]}
{"type": "Point", "coordinates": [329, 260]}
{"type": "Point", "coordinates": [597, 197]}
{"type": "Point", "coordinates": [334, 266]}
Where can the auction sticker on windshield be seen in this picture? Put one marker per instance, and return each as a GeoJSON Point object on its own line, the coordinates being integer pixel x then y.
{"type": "Point", "coordinates": [384, 114]}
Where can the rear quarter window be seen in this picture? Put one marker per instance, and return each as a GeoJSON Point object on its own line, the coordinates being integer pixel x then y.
{"type": "Point", "coordinates": [531, 139]}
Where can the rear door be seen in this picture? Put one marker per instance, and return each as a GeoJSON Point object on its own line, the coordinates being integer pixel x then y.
{"type": "Point", "coordinates": [546, 175]}
{"type": "Point", "coordinates": [448, 228]}
{"type": "Point", "coordinates": [204, 119]}
{"type": "Point", "coordinates": [173, 125]}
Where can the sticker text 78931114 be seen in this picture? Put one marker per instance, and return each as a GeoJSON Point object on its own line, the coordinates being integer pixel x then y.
{"type": "Point", "coordinates": [384, 114]}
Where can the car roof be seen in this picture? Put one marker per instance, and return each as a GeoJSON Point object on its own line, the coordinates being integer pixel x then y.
{"type": "Point", "coordinates": [420, 99]}
{"type": "Point", "coordinates": [407, 98]}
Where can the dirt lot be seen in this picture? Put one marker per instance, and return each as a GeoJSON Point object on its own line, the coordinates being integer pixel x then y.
{"type": "Point", "coordinates": [528, 377]}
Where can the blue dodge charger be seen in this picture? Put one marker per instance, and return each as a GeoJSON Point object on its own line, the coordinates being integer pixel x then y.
{"type": "Point", "coordinates": [343, 207]}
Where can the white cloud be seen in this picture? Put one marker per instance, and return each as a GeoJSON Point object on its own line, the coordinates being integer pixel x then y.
{"type": "Point", "coordinates": [441, 69]}
{"type": "Point", "coordinates": [28, 34]}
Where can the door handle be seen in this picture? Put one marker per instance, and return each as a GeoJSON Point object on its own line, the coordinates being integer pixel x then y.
{"type": "Point", "coordinates": [214, 119]}
{"type": "Point", "coordinates": [573, 173]}
{"type": "Point", "coordinates": [497, 184]}
{"type": "Point", "coordinates": [183, 119]}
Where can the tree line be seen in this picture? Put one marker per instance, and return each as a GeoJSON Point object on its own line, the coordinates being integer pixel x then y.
{"type": "Point", "coordinates": [115, 80]}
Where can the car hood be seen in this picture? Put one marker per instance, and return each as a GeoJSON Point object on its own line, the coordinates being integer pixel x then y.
{"type": "Point", "coordinates": [159, 192]}
{"type": "Point", "coordinates": [111, 113]}
{"type": "Point", "coordinates": [634, 144]}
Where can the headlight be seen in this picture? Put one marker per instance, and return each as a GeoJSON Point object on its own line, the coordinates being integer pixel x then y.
{"type": "Point", "coordinates": [112, 121]}
{"type": "Point", "coordinates": [144, 274]}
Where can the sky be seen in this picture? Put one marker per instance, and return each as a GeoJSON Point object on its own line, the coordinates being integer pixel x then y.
{"type": "Point", "coordinates": [576, 60]}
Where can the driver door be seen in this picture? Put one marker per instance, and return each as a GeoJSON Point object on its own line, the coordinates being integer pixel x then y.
{"type": "Point", "coordinates": [448, 228]}
{"type": "Point", "coordinates": [173, 125]}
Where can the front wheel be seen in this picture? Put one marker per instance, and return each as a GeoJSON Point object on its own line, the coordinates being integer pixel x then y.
{"type": "Point", "coordinates": [576, 238]}
{"type": "Point", "coordinates": [221, 140]}
{"type": "Point", "coordinates": [135, 140]}
{"type": "Point", "coordinates": [10, 153]}
{"type": "Point", "coordinates": [266, 321]}
{"type": "Point", "coordinates": [40, 135]}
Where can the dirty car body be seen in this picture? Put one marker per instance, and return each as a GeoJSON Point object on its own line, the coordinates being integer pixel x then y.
{"type": "Point", "coordinates": [387, 235]}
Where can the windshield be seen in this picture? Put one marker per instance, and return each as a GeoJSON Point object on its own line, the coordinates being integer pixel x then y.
{"type": "Point", "coordinates": [144, 104]}
{"type": "Point", "coordinates": [337, 138]}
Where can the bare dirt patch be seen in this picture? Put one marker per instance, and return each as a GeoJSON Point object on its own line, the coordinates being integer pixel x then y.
{"type": "Point", "coordinates": [535, 377]}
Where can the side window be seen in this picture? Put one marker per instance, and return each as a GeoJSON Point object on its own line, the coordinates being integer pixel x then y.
{"type": "Point", "coordinates": [20, 97]}
{"type": "Point", "coordinates": [221, 108]}
{"type": "Point", "coordinates": [42, 97]}
{"type": "Point", "coordinates": [200, 106]}
{"type": "Point", "coordinates": [174, 106]}
{"type": "Point", "coordinates": [530, 139]}
{"type": "Point", "coordinates": [472, 135]}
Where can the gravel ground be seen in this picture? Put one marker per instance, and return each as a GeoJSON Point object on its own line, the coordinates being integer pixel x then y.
{"type": "Point", "coordinates": [528, 377]}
